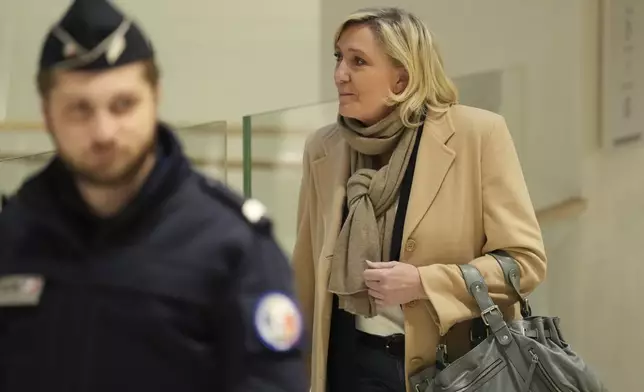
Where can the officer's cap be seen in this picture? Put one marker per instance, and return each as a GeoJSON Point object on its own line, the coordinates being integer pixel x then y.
{"type": "Point", "coordinates": [94, 35]}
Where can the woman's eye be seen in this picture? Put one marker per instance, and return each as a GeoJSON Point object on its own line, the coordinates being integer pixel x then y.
{"type": "Point", "coordinates": [360, 61]}
{"type": "Point", "coordinates": [338, 56]}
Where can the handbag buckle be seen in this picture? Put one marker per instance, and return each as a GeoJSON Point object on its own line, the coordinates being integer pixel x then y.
{"type": "Point", "coordinates": [487, 311]}
{"type": "Point", "coordinates": [442, 360]}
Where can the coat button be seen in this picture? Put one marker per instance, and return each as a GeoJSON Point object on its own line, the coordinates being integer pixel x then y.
{"type": "Point", "coordinates": [410, 246]}
{"type": "Point", "coordinates": [417, 362]}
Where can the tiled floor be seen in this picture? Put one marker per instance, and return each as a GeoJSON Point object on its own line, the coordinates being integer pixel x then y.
{"type": "Point", "coordinates": [596, 274]}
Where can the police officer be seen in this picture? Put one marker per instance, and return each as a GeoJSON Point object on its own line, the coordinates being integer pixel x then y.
{"type": "Point", "coordinates": [122, 268]}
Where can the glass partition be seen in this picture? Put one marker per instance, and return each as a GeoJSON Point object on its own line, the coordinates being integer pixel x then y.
{"type": "Point", "coordinates": [273, 143]}
{"type": "Point", "coordinates": [206, 146]}
{"type": "Point", "coordinates": [14, 169]}
{"type": "Point", "coordinates": [26, 148]}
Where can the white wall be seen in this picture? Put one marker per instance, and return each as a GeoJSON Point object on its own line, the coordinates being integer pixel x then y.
{"type": "Point", "coordinates": [221, 59]}
{"type": "Point", "coordinates": [6, 30]}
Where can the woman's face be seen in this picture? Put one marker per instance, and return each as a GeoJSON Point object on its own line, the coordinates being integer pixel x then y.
{"type": "Point", "coordinates": [365, 76]}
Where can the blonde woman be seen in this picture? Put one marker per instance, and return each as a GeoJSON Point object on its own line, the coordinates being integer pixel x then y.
{"type": "Point", "coordinates": [407, 184]}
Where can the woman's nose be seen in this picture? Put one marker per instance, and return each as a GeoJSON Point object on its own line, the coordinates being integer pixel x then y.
{"type": "Point", "coordinates": [341, 73]}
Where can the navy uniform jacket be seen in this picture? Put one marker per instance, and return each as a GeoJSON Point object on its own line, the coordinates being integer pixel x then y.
{"type": "Point", "coordinates": [184, 290]}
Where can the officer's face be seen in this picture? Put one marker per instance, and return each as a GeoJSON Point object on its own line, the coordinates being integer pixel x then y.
{"type": "Point", "coordinates": [365, 75]}
{"type": "Point", "coordinates": [103, 123]}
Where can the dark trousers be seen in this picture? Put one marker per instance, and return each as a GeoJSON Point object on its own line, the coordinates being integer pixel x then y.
{"type": "Point", "coordinates": [377, 371]}
{"type": "Point", "coordinates": [356, 367]}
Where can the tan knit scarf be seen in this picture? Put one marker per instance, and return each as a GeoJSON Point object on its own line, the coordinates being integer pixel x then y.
{"type": "Point", "coordinates": [372, 197]}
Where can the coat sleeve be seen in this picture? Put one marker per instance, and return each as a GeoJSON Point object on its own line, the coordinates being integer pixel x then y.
{"type": "Point", "coordinates": [510, 224]}
{"type": "Point", "coordinates": [303, 258]}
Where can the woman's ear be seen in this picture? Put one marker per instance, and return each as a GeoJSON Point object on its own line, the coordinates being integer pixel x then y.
{"type": "Point", "coordinates": [402, 82]}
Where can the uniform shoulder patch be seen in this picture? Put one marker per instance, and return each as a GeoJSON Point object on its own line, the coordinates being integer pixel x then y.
{"type": "Point", "coordinates": [278, 322]}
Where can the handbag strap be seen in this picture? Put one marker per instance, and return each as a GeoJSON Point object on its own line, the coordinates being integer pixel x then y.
{"type": "Point", "coordinates": [493, 317]}
{"type": "Point", "coordinates": [512, 275]}
{"type": "Point", "coordinates": [490, 312]}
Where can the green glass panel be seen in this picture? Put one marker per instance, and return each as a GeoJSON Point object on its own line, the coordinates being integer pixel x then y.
{"type": "Point", "coordinates": [273, 144]}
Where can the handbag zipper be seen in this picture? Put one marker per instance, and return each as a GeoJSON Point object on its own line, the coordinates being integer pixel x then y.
{"type": "Point", "coordinates": [481, 376]}
{"type": "Point", "coordinates": [544, 372]}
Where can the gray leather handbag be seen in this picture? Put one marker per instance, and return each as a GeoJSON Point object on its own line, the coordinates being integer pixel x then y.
{"type": "Point", "coordinates": [519, 356]}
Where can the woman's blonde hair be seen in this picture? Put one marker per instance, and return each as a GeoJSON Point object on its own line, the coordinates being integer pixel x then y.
{"type": "Point", "coordinates": [410, 44]}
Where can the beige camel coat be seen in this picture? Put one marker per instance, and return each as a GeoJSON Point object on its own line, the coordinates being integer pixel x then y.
{"type": "Point", "coordinates": [468, 198]}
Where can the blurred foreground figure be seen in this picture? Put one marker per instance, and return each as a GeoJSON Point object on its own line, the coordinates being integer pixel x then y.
{"type": "Point", "coordinates": [121, 268]}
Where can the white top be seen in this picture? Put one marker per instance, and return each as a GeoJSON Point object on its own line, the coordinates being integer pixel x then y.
{"type": "Point", "coordinates": [389, 321]}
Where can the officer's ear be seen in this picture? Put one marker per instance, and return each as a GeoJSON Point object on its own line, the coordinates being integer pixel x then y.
{"type": "Point", "coordinates": [46, 114]}
{"type": "Point", "coordinates": [152, 75]}
{"type": "Point", "coordinates": [158, 93]}
{"type": "Point", "coordinates": [46, 81]}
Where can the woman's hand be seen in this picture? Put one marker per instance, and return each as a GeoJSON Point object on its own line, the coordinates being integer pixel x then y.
{"type": "Point", "coordinates": [393, 283]}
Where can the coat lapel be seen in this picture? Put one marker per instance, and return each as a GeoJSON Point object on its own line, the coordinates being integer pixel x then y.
{"type": "Point", "coordinates": [331, 173]}
{"type": "Point", "coordinates": [432, 164]}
